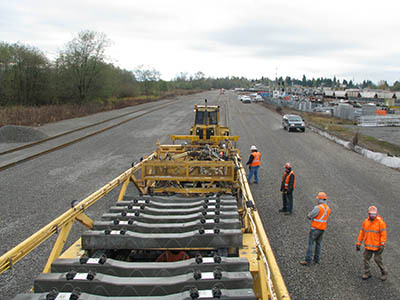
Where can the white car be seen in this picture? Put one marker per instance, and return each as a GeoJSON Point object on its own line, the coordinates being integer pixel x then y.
{"type": "Point", "coordinates": [245, 99]}
{"type": "Point", "coordinates": [257, 98]}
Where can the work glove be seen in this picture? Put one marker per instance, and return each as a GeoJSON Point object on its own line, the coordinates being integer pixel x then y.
{"type": "Point", "coordinates": [358, 247]}
{"type": "Point", "coordinates": [381, 248]}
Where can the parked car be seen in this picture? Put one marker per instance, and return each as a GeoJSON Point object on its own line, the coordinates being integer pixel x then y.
{"type": "Point", "coordinates": [293, 122]}
{"type": "Point", "coordinates": [256, 98]}
{"type": "Point", "coordinates": [246, 99]}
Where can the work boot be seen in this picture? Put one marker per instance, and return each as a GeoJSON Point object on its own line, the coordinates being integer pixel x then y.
{"type": "Point", "coordinates": [282, 210]}
{"type": "Point", "coordinates": [288, 213]}
{"type": "Point", "coordinates": [384, 276]}
{"type": "Point", "coordinates": [366, 276]}
{"type": "Point", "coordinates": [304, 263]}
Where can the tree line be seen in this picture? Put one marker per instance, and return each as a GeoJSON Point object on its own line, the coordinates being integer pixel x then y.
{"type": "Point", "coordinates": [329, 82]}
{"type": "Point", "coordinates": [82, 73]}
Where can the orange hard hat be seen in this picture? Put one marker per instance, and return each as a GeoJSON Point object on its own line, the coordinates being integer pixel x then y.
{"type": "Point", "coordinates": [288, 165]}
{"type": "Point", "coordinates": [322, 195]}
{"type": "Point", "coordinates": [372, 210]}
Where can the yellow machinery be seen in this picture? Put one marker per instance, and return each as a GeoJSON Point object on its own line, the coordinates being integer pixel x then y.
{"type": "Point", "coordinates": [176, 183]}
{"type": "Point", "coordinates": [206, 128]}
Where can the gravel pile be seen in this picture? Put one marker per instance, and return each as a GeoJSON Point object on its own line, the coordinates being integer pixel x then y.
{"type": "Point", "coordinates": [20, 134]}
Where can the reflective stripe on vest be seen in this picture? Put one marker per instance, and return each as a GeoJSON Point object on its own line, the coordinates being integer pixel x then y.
{"type": "Point", "coordinates": [288, 178]}
{"type": "Point", "coordinates": [372, 246]}
{"type": "Point", "coordinates": [320, 221]}
{"type": "Point", "coordinates": [256, 160]}
{"type": "Point", "coordinates": [375, 231]}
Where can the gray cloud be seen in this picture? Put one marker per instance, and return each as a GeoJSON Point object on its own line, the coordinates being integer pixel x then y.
{"type": "Point", "coordinates": [281, 40]}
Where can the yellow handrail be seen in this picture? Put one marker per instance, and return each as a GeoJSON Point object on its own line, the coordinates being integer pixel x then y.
{"type": "Point", "coordinates": [8, 259]}
{"type": "Point", "coordinates": [278, 285]}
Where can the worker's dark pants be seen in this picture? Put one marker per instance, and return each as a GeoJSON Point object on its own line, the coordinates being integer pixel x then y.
{"type": "Point", "coordinates": [315, 236]}
{"type": "Point", "coordinates": [287, 199]}
{"type": "Point", "coordinates": [377, 257]}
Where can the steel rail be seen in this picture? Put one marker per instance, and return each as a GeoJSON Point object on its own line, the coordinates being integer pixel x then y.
{"type": "Point", "coordinates": [71, 131]}
{"type": "Point", "coordinates": [13, 164]}
{"type": "Point", "coordinates": [8, 259]}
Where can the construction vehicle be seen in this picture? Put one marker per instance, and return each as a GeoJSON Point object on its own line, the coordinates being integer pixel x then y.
{"type": "Point", "coordinates": [206, 128]}
{"type": "Point", "coordinates": [184, 226]}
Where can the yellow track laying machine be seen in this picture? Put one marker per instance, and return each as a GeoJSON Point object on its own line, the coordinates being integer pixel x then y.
{"type": "Point", "coordinates": [192, 231]}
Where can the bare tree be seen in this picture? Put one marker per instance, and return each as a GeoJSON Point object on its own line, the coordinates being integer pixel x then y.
{"type": "Point", "coordinates": [81, 61]}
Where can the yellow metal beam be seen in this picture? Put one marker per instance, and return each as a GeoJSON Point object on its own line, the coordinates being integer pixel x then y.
{"type": "Point", "coordinates": [74, 251]}
{"type": "Point", "coordinates": [21, 250]}
{"type": "Point", "coordinates": [279, 286]}
{"type": "Point", "coordinates": [189, 178]}
{"type": "Point", "coordinates": [85, 220]}
{"type": "Point", "coordinates": [123, 189]}
{"type": "Point", "coordinates": [192, 190]}
{"type": "Point", "coordinates": [249, 250]}
{"type": "Point", "coordinates": [58, 246]}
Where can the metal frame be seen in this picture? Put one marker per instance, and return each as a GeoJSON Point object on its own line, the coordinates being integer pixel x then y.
{"type": "Point", "coordinates": [62, 225]}
{"type": "Point", "coordinates": [268, 281]}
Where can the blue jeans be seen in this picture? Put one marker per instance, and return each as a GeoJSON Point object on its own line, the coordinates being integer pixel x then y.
{"type": "Point", "coordinates": [253, 171]}
{"type": "Point", "coordinates": [315, 236]}
{"type": "Point", "coordinates": [287, 199]}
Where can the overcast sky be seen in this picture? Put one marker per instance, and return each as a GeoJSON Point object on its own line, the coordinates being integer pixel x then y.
{"type": "Point", "coordinates": [348, 39]}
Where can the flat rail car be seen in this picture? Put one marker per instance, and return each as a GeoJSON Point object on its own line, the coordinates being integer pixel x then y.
{"type": "Point", "coordinates": [190, 230]}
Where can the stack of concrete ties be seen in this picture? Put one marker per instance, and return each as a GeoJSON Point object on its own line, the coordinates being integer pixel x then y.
{"type": "Point", "coordinates": [144, 223]}
{"type": "Point", "coordinates": [156, 223]}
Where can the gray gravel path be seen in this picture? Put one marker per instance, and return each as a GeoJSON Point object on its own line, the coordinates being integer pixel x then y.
{"type": "Point", "coordinates": [352, 182]}
{"type": "Point", "coordinates": [33, 193]}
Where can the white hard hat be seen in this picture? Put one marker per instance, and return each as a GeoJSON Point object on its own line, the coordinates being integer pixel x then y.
{"type": "Point", "coordinates": [253, 148]}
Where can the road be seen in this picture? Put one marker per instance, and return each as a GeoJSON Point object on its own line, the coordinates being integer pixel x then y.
{"type": "Point", "coordinates": [34, 192]}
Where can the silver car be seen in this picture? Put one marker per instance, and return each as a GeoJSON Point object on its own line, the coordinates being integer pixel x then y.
{"type": "Point", "coordinates": [293, 122]}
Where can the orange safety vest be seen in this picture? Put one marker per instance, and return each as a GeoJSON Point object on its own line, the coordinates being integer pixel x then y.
{"type": "Point", "coordinates": [287, 180]}
{"type": "Point", "coordinates": [256, 161]}
{"type": "Point", "coordinates": [373, 233]}
{"type": "Point", "coordinates": [320, 221]}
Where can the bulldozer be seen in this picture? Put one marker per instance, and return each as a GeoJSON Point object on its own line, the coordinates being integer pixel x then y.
{"type": "Point", "coordinates": [207, 128]}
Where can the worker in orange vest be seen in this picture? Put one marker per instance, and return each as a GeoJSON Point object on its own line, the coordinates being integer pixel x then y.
{"type": "Point", "coordinates": [288, 184]}
{"type": "Point", "coordinates": [374, 234]}
{"type": "Point", "coordinates": [254, 164]}
{"type": "Point", "coordinates": [319, 216]}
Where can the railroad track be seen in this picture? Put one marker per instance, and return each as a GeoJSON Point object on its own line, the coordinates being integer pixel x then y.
{"type": "Point", "coordinates": [81, 138]}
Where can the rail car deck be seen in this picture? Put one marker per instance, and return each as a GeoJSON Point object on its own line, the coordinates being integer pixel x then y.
{"type": "Point", "coordinates": [209, 272]}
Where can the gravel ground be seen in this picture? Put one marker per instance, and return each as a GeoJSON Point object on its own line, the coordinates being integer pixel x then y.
{"type": "Point", "coordinates": [20, 134]}
{"type": "Point", "coordinates": [35, 192]}
{"type": "Point", "coordinates": [352, 182]}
